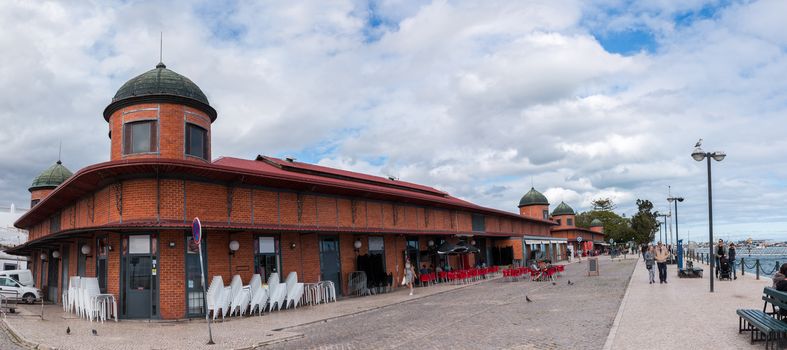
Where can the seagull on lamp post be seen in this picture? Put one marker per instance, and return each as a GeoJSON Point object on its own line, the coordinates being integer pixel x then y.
{"type": "Point", "coordinates": [698, 144]}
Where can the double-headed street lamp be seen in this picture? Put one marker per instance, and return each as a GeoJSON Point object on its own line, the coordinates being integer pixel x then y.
{"type": "Point", "coordinates": [718, 156]}
{"type": "Point", "coordinates": [677, 236]}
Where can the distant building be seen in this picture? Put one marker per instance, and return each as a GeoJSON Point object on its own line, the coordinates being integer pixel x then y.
{"type": "Point", "coordinates": [11, 236]}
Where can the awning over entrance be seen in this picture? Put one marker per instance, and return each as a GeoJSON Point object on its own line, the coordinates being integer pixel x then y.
{"type": "Point", "coordinates": [543, 241]}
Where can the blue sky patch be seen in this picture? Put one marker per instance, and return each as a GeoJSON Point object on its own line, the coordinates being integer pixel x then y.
{"type": "Point", "coordinates": [628, 42]}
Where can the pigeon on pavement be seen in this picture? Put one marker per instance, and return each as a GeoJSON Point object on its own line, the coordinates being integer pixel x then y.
{"type": "Point", "coordinates": [94, 332]}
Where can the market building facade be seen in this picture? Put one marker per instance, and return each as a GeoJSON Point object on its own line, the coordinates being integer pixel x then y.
{"type": "Point", "coordinates": [126, 221]}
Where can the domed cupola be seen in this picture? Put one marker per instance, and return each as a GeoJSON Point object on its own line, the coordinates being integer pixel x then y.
{"type": "Point", "coordinates": [563, 209]}
{"type": "Point", "coordinates": [160, 85]}
{"type": "Point", "coordinates": [596, 223]}
{"type": "Point", "coordinates": [47, 181]}
{"type": "Point", "coordinates": [533, 197]}
{"type": "Point", "coordinates": [160, 114]}
{"type": "Point", "coordinates": [51, 177]}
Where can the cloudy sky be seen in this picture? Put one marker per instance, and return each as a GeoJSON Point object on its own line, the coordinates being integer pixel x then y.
{"type": "Point", "coordinates": [582, 99]}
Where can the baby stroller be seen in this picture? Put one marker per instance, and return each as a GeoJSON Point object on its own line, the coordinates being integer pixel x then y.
{"type": "Point", "coordinates": [725, 272]}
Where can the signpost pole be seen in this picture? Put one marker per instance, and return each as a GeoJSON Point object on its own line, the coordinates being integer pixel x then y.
{"type": "Point", "coordinates": [196, 230]}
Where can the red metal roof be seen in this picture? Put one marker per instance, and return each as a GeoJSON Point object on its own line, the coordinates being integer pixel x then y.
{"type": "Point", "coordinates": [241, 171]}
{"type": "Point", "coordinates": [333, 172]}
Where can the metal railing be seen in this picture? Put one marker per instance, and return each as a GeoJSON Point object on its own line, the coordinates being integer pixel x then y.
{"type": "Point", "coordinates": [704, 258]}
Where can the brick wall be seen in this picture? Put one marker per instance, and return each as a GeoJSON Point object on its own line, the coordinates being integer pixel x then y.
{"type": "Point", "coordinates": [171, 271]}
{"type": "Point", "coordinates": [171, 119]}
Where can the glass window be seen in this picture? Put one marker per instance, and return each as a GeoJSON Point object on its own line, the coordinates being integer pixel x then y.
{"type": "Point", "coordinates": [139, 274]}
{"type": "Point", "coordinates": [569, 222]}
{"type": "Point", "coordinates": [140, 137]}
{"type": "Point", "coordinates": [139, 244]}
{"type": "Point", "coordinates": [196, 141]}
{"type": "Point", "coordinates": [266, 257]}
{"type": "Point", "coordinates": [376, 244]}
{"type": "Point", "coordinates": [479, 222]}
{"type": "Point", "coordinates": [34, 202]}
{"type": "Point", "coordinates": [558, 221]}
{"type": "Point", "coordinates": [546, 214]}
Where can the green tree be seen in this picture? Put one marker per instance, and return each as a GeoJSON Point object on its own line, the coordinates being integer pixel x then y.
{"type": "Point", "coordinates": [615, 226]}
{"type": "Point", "coordinates": [644, 222]}
{"type": "Point", "coordinates": [604, 204]}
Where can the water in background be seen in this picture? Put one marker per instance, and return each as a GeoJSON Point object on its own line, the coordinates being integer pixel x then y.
{"type": "Point", "coordinates": [768, 258]}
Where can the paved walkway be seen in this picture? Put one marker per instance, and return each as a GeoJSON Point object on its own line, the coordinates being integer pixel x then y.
{"type": "Point", "coordinates": [492, 315]}
{"type": "Point", "coordinates": [489, 314]}
{"type": "Point", "coordinates": [683, 314]}
{"type": "Point", "coordinates": [235, 333]}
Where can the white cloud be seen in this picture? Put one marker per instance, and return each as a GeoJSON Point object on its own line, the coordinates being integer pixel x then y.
{"type": "Point", "coordinates": [477, 98]}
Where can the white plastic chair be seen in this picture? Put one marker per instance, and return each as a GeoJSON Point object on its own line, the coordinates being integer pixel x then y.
{"type": "Point", "coordinates": [216, 298]}
{"type": "Point", "coordinates": [241, 296]}
{"type": "Point", "coordinates": [73, 293]}
{"type": "Point", "coordinates": [294, 291]}
{"type": "Point", "coordinates": [277, 292]}
{"type": "Point", "coordinates": [259, 295]}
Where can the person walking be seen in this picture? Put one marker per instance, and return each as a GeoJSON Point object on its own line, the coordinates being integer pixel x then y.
{"type": "Point", "coordinates": [645, 248]}
{"type": "Point", "coordinates": [649, 262]}
{"type": "Point", "coordinates": [731, 259]}
{"type": "Point", "coordinates": [719, 252]}
{"type": "Point", "coordinates": [661, 256]}
{"type": "Point", "coordinates": [409, 275]}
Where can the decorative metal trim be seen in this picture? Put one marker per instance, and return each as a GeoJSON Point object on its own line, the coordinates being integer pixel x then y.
{"type": "Point", "coordinates": [117, 187]}
{"type": "Point", "coordinates": [299, 202]}
{"type": "Point", "coordinates": [395, 214]}
{"type": "Point", "coordinates": [354, 209]}
{"type": "Point", "coordinates": [230, 195]}
{"type": "Point", "coordinates": [426, 217]}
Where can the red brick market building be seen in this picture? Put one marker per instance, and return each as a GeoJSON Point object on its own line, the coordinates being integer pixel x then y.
{"type": "Point", "coordinates": [126, 221]}
{"type": "Point", "coordinates": [564, 235]}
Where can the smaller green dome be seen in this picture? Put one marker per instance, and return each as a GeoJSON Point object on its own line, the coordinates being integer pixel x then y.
{"type": "Point", "coordinates": [596, 223]}
{"type": "Point", "coordinates": [51, 177]}
{"type": "Point", "coordinates": [533, 197]}
{"type": "Point", "coordinates": [563, 209]}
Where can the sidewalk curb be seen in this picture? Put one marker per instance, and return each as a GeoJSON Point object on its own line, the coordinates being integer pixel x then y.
{"type": "Point", "coordinates": [20, 340]}
{"type": "Point", "coordinates": [614, 329]}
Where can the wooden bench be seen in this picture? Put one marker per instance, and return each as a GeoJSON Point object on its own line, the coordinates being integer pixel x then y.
{"type": "Point", "coordinates": [764, 325]}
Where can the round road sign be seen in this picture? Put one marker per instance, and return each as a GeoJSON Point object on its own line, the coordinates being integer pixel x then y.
{"type": "Point", "coordinates": [196, 230]}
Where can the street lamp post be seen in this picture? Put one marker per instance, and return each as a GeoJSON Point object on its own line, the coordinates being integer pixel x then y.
{"type": "Point", "coordinates": [698, 154]}
{"type": "Point", "coordinates": [677, 235]}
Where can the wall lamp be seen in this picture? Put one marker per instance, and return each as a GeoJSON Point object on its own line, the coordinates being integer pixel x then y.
{"type": "Point", "coordinates": [357, 245]}
{"type": "Point", "coordinates": [56, 254]}
{"type": "Point", "coordinates": [234, 246]}
{"type": "Point", "coordinates": [292, 245]}
{"type": "Point", "coordinates": [85, 250]}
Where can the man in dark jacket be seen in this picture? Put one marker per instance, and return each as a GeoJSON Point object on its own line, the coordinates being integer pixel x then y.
{"type": "Point", "coordinates": [731, 259]}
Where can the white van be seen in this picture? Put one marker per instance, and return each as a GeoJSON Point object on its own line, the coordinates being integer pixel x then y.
{"type": "Point", "coordinates": [25, 277]}
{"type": "Point", "coordinates": [13, 290]}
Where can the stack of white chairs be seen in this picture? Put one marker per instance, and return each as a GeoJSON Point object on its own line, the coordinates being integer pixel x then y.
{"type": "Point", "coordinates": [294, 291]}
{"type": "Point", "coordinates": [277, 292]}
{"type": "Point", "coordinates": [215, 297]}
{"type": "Point", "coordinates": [311, 294]}
{"type": "Point", "coordinates": [328, 291]}
{"type": "Point", "coordinates": [259, 295]}
{"type": "Point", "coordinates": [90, 307]}
{"type": "Point", "coordinates": [241, 296]}
{"type": "Point", "coordinates": [70, 303]}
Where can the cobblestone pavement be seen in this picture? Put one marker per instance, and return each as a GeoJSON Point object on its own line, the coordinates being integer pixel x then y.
{"type": "Point", "coordinates": [6, 343]}
{"type": "Point", "coordinates": [488, 315]}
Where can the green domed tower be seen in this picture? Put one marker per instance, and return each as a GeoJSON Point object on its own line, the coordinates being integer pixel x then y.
{"type": "Point", "coordinates": [564, 215]}
{"type": "Point", "coordinates": [160, 114]}
{"type": "Point", "coordinates": [534, 204]}
{"type": "Point", "coordinates": [47, 181]}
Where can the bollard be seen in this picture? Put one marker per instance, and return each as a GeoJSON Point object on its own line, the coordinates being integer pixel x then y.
{"type": "Point", "coordinates": [757, 267]}
{"type": "Point", "coordinates": [742, 267]}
